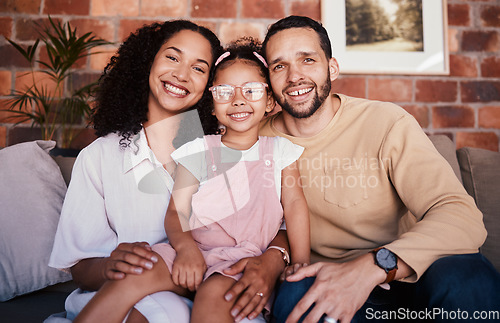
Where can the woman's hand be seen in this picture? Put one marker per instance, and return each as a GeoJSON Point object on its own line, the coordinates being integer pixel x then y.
{"type": "Point", "coordinates": [127, 258]}
{"type": "Point", "coordinates": [188, 268]}
{"type": "Point", "coordinates": [254, 288]}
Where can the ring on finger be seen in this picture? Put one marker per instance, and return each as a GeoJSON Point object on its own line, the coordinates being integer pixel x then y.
{"type": "Point", "coordinates": [329, 319]}
{"type": "Point", "coordinates": [260, 294]}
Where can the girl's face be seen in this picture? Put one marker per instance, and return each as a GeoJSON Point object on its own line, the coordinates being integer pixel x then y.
{"type": "Point", "coordinates": [179, 75]}
{"type": "Point", "coordinates": [240, 114]}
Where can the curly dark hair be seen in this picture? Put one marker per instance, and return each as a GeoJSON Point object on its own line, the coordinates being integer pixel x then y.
{"type": "Point", "coordinates": [122, 95]}
{"type": "Point", "coordinates": [241, 50]}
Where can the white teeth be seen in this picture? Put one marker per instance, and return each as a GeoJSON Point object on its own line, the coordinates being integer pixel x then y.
{"type": "Point", "coordinates": [300, 92]}
{"type": "Point", "coordinates": [240, 115]}
{"type": "Point", "coordinates": [174, 89]}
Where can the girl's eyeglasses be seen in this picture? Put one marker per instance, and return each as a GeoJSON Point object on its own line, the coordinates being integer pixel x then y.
{"type": "Point", "coordinates": [252, 91]}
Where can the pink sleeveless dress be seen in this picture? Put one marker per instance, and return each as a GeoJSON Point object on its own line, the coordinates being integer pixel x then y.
{"type": "Point", "coordinates": [236, 213]}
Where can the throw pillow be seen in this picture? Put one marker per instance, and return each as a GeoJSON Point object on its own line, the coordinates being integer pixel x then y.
{"type": "Point", "coordinates": [32, 191]}
{"type": "Point", "coordinates": [481, 177]}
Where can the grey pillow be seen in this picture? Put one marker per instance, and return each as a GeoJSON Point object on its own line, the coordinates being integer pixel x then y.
{"type": "Point", "coordinates": [32, 190]}
{"type": "Point", "coordinates": [481, 177]}
{"type": "Point", "coordinates": [447, 149]}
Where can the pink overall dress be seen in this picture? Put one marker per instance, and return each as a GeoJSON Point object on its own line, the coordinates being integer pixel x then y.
{"type": "Point", "coordinates": [237, 212]}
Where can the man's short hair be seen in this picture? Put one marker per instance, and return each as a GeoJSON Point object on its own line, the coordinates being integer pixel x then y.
{"type": "Point", "coordinates": [300, 22]}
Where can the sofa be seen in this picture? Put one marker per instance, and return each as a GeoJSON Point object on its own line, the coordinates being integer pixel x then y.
{"type": "Point", "coordinates": [32, 188]}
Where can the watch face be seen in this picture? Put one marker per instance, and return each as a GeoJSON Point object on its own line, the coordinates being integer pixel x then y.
{"type": "Point", "coordinates": [386, 259]}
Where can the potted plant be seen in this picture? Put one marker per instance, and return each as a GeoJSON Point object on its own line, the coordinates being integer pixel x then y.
{"type": "Point", "coordinates": [53, 104]}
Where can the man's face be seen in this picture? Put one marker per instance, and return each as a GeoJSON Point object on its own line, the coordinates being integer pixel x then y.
{"type": "Point", "coordinates": [299, 71]}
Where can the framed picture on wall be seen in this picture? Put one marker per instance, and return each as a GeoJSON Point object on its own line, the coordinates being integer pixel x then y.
{"type": "Point", "coordinates": [388, 36]}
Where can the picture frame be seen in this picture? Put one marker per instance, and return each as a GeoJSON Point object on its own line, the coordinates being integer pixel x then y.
{"type": "Point", "coordinates": [411, 50]}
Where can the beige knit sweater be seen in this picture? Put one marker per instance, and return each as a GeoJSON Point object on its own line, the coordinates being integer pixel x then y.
{"type": "Point", "coordinates": [363, 173]}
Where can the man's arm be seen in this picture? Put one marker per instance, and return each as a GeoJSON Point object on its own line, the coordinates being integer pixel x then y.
{"type": "Point", "coordinates": [448, 221]}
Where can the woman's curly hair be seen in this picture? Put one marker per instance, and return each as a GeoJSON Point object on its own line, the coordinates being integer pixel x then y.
{"type": "Point", "coordinates": [122, 95]}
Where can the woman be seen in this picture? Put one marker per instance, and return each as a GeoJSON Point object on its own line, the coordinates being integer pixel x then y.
{"type": "Point", "coordinates": [121, 183]}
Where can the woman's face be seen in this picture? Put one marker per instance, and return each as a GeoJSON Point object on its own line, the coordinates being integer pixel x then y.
{"type": "Point", "coordinates": [179, 75]}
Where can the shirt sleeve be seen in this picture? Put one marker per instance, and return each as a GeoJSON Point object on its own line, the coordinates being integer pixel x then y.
{"type": "Point", "coordinates": [84, 230]}
{"type": "Point", "coordinates": [447, 219]}
{"type": "Point", "coordinates": [191, 155]}
{"type": "Point", "coordinates": [286, 152]}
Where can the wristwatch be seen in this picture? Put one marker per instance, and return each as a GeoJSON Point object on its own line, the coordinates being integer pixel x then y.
{"type": "Point", "coordinates": [388, 261]}
{"type": "Point", "coordinates": [284, 253]}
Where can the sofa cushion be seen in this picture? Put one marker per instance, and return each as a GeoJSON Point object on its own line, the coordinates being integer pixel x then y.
{"type": "Point", "coordinates": [481, 177]}
{"type": "Point", "coordinates": [32, 190]}
{"type": "Point", "coordinates": [447, 149]}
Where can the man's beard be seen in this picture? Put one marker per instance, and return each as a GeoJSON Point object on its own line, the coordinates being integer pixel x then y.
{"type": "Point", "coordinates": [318, 101]}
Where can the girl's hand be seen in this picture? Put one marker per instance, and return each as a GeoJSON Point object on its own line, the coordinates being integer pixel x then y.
{"type": "Point", "coordinates": [129, 258]}
{"type": "Point", "coordinates": [291, 269]}
{"type": "Point", "coordinates": [188, 268]}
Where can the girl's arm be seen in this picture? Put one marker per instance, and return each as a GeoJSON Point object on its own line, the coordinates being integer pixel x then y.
{"type": "Point", "coordinates": [189, 265]}
{"type": "Point", "coordinates": [296, 215]}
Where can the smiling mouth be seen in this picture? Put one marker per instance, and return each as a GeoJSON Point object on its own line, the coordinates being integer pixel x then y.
{"type": "Point", "coordinates": [174, 89]}
{"type": "Point", "coordinates": [300, 92]}
{"type": "Point", "coordinates": [240, 115]}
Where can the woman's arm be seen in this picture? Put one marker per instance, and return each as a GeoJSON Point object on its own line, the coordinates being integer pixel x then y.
{"type": "Point", "coordinates": [127, 258]}
{"type": "Point", "coordinates": [296, 215]}
{"type": "Point", "coordinates": [84, 247]}
{"type": "Point", "coordinates": [260, 275]}
{"type": "Point", "coordinates": [189, 265]}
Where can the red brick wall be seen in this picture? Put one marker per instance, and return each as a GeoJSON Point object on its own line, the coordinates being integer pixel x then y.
{"type": "Point", "coordinates": [464, 105]}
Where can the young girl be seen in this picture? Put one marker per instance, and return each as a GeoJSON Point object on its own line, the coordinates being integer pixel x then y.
{"type": "Point", "coordinates": [225, 203]}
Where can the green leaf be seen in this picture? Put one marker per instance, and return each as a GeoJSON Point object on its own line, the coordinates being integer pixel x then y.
{"type": "Point", "coordinates": [56, 109]}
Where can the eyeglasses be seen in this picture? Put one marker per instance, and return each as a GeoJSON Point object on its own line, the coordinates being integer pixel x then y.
{"type": "Point", "coordinates": [252, 91]}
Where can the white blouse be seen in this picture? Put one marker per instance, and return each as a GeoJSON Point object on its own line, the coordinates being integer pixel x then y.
{"type": "Point", "coordinates": [115, 195]}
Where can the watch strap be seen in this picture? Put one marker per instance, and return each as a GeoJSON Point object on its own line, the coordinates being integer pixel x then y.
{"type": "Point", "coordinates": [391, 274]}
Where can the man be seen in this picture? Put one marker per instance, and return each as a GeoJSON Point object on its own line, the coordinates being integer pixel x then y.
{"type": "Point", "coordinates": [365, 165]}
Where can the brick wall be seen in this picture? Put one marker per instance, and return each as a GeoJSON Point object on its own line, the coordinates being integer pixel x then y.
{"type": "Point", "coordinates": [464, 105]}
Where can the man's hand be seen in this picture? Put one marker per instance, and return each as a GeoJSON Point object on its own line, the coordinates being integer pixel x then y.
{"type": "Point", "coordinates": [291, 269]}
{"type": "Point", "coordinates": [259, 278]}
{"type": "Point", "coordinates": [129, 258]}
{"type": "Point", "coordinates": [340, 289]}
